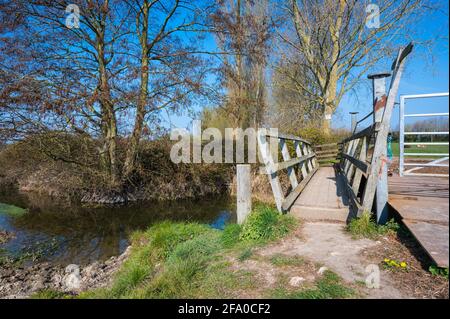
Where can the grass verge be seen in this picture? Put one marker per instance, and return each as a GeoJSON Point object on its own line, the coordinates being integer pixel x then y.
{"type": "Point", "coordinates": [188, 260]}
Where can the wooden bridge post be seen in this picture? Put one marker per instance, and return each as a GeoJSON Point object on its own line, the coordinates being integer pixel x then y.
{"type": "Point", "coordinates": [375, 187]}
{"type": "Point", "coordinates": [244, 192]}
{"type": "Point", "coordinates": [269, 155]}
{"type": "Point", "coordinates": [379, 105]}
{"type": "Point", "coordinates": [354, 121]}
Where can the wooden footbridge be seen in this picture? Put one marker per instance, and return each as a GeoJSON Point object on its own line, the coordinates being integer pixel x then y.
{"type": "Point", "coordinates": [359, 182]}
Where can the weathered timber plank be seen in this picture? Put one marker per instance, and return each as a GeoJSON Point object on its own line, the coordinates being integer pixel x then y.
{"type": "Point", "coordinates": [287, 137]}
{"type": "Point", "coordinates": [326, 145]}
{"type": "Point", "coordinates": [358, 163]}
{"type": "Point", "coordinates": [268, 162]}
{"type": "Point", "coordinates": [433, 238]}
{"type": "Point", "coordinates": [381, 139]}
{"type": "Point", "coordinates": [290, 169]}
{"type": "Point", "coordinates": [368, 131]}
{"type": "Point", "coordinates": [333, 151]}
{"type": "Point", "coordinates": [294, 161]}
{"type": "Point", "coordinates": [419, 208]}
{"type": "Point", "coordinates": [244, 192]}
{"type": "Point", "coordinates": [358, 174]}
{"type": "Point", "coordinates": [290, 199]}
{"type": "Point", "coordinates": [351, 195]}
{"type": "Point", "coordinates": [351, 167]}
{"type": "Point", "coordinates": [298, 151]}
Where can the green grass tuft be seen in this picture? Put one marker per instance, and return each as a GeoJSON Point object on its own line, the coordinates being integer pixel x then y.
{"type": "Point", "coordinates": [282, 260]}
{"type": "Point", "coordinates": [265, 224]}
{"type": "Point", "coordinates": [230, 235]}
{"type": "Point", "coordinates": [246, 254]}
{"type": "Point", "coordinates": [329, 286]}
{"type": "Point", "coordinates": [49, 294]}
{"type": "Point", "coordinates": [438, 271]}
{"type": "Point", "coordinates": [366, 227]}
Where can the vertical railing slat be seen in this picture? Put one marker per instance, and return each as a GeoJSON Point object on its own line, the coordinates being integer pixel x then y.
{"type": "Point", "coordinates": [298, 151]}
{"type": "Point", "coordinates": [358, 174]}
{"type": "Point", "coordinates": [287, 157]}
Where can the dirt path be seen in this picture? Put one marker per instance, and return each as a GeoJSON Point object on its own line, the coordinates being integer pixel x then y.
{"type": "Point", "coordinates": [329, 245]}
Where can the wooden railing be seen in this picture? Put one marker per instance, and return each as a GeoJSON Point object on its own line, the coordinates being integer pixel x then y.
{"type": "Point", "coordinates": [364, 173]}
{"type": "Point", "coordinates": [327, 154]}
{"type": "Point", "coordinates": [300, 168]}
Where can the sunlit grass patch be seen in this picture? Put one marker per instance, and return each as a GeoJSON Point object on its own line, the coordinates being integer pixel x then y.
{"type": "Point", "coordinates": [366, 227]}
{"type": "Point", "coordinates": [265, 224]}
{"type": "Point", "coordinates": [329, 286]}
{"type": "Point", "coordinates": [438, 271]}
{"type": "Point", "coordinates": [50, 294]}
{"type": "Point", "coordinates": [283, 260]}
{"type": "Point", "coordinates": [188, 260]}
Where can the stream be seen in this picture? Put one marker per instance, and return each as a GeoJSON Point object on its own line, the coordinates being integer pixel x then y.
{"type": "Point", "coordinates": [45, 230]}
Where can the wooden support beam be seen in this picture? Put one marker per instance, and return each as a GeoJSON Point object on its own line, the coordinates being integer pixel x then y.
{"type": "Point", "coordinates": [290, 163]}
{"type": "Point", "coordinates": [352, 166]}
{"type": "Point", "coordinates": [244, 192]}
{"type": "Point", "coordinates": [298, 151]}
{"type": "Point", "coordinates": [350, 148]}
{"type": "Point", "coordinates": [287, 137]}
{"type": "Point", "coordinates": [333, 151]}
{"type": "Point", "coordinates": [376, 167]}
{"type": "Point", "coordinates": [352, 196]}
{"type": "Point", "coordinates": [358, 174]}
{"type": "Point", "coordinates": [368, 131]}
{"type": "Point", "coordinates": [268, 162]}
{"type": "Point", "coordinates": [322, 146]}
{"type": "Point", "coordinates": [305, 152]}
{"type": "Point", "coordinates": [358, 163]}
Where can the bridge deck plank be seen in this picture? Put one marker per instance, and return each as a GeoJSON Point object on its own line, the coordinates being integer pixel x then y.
{"type": "Point", "coordinates": [325, 197]}
{"type": "Point", "coordinates": [422, 203]}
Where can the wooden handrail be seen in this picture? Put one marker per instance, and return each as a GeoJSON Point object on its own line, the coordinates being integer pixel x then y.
{"type": "Point", "coordinates": [294, 161]}
{"type": "Point", "coordinates": [305, 162]}
{"type": "Point", "coordinates": [358, 164]}
{"type": "Point", "coordinates": [287, 137]}
{"type": "Point", "coordinates": [354, 154]}
{"type": "Point", "coordinates": [368, 131]}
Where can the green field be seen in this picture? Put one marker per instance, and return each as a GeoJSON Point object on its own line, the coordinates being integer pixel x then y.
{"type": "Point", "coordinates": [415, 149]}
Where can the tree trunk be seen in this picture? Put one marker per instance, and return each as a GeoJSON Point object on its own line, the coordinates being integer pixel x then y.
{"type": "Point", "coordinates": [142, 99]}
{"type": "Point", "coordinates": [109, 121]}
{"type": "Point", "coordinates": [329, 108]}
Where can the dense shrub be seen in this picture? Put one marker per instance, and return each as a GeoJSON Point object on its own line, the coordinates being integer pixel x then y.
{"type": "Point", "coordinates": [316, 135]}
{"type": "Point", "coordinates": [62, 165]}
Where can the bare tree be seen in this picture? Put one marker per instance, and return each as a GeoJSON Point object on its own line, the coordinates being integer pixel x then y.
{"type": "Point", "coordinates": [170, 70]}
{"type": "Point", "coordinates": [336, 42]}
{"type": "Point", "coordinates": [107, 79]}
{"type": "Point", "coordinates": [243, 28]}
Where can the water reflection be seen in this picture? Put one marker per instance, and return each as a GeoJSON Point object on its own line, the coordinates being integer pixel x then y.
{"type": "Point", "coordinates": [72, 234]}
{"type": "Point", "coordinates": [221, 220]}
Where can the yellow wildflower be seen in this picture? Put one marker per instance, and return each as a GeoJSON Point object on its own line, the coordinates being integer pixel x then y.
{"type": "Point", "coordinates": [403, 264]}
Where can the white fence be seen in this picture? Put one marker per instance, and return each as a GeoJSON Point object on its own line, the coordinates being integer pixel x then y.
{"type": "Point", "coordinates": [442, 161]}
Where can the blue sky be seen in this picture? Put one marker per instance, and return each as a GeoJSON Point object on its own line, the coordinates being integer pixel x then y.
{"type": "Point", "coordinates": [426, 72]}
